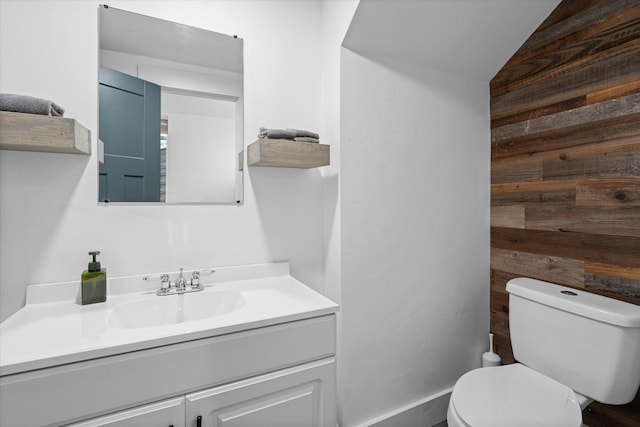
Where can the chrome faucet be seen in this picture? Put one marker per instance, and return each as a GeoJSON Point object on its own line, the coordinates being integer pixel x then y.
{"type": "Point", "coordinates": [181, 283]}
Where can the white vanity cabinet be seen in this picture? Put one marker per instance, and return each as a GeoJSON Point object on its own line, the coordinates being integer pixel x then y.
{"type": "Point", "coordinates": [301, 396]}
{"type": "Point", "coordinates": [133, 361]}
{"type": "Point", "coordinates": [279, 375]}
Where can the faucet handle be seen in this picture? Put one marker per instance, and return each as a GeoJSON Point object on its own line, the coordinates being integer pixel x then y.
{"type": "Point", "coordinates": [195, 279]}
{"type": "Point", "coordinates": [165, 284]}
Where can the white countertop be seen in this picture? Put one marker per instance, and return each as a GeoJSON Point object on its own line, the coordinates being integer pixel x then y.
{"type": "Point", "coordinates": [54, 329]}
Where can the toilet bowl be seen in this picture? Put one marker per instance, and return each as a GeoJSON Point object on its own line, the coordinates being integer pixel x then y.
{"type": "Point", "coordinates": [512, 395]}
{"type": "Point", "coordinates": [550, 328]}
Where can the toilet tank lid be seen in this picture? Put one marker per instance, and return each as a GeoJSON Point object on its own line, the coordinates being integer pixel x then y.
{"type": "Point", "coordinates": [597, 307]}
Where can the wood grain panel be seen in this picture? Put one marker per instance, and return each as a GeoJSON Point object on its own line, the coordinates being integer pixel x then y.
{"type": "Point", "coordinates": [606, 110]}
{"type": "Point", "coordinates": [499, 310]}
{"type": "Point", "coordinates": [287, 154]}
{"type": "Point", "coordinates": [613, 92]}
{"type": "Point", "coordinates": [615, 71]}
{"type": "Point", "coordinates": [535, 113]}
{"type": "Point", "coordinates": [564, 11]}
{"type": "Point", "coordinates": [618, 250]}
{"type": "Point", "coordinates": [499, 301]}
{"type": "Point", "coordinates": [611, 192]}
{"type": "Point", "coordinates": [565, 125]}
{"type": "Point", "coordinates": [507, 216]}
{"type": "Point", "coordinates": [604, 269]}
{"type": "Point", "coordinates": [574, 51]}
{"type": "Point", "coordinates": [584, 15]}
{"type": "Point", "coordinates": [35, 132]}
{"type": "Point", "coordinates": [565, 167]}
{"type": "Point", "coordinates": [501, 340]}
{"type": "Point", "coordinates": [627, 126]}
{"type": "Point", "coordinates": [607, 158]}
{"type": "Point", "coordinates": [628, 290]}
{"type": "Point", "coordinates": [584, 219]}
{"type": "Point", "coordinates": [544, 267]}
{"type": "Point", "coordinates": [532, 192]}
{"type": "Point", "coordinates": [630, 145]}
{"type": "Point", "coordinates": [516, 170]}
{"type": "Point", "coordinates": [623, 281]}
{"type": "Point", "coordinates": [600, 415]}
{"type": "Point", "coordinates": [500, 278]}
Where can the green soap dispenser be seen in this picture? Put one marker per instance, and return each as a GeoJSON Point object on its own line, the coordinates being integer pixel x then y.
{"type": "Point", "coordinates": [94, 282]}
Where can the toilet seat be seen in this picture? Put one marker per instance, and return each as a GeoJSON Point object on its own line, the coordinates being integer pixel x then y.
{"type": "Point", "coordinates": [514, 395]}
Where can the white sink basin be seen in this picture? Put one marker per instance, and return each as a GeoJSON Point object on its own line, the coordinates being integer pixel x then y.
{"type": "Point", "coordinates": [171, 309]}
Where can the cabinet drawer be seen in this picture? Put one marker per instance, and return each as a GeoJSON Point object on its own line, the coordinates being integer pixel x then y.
{"type": "Point", "coordinates": [63, 394]}
{"type": "Point", "coordinates": [168, 413]}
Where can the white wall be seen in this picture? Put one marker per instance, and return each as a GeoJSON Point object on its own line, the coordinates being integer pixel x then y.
{"type": "Point", "coordinates": [415, 235]}
{"type": "Point", "coordinates": [208, 176]}
{"type": "Point", "coordinates": [49, 216]}
{"type": "Point", "coordinates": [336, 17]}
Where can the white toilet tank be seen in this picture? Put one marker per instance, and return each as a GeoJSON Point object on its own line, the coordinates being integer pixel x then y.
{"type": "Point", "coordinates": [588, 342]}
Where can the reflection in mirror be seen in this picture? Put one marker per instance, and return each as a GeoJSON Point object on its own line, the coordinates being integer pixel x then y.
{"type": "Point", "coordinates": [170, 112]}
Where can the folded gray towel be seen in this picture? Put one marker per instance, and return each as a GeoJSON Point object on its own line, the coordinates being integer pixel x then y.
{"type": "Point", "coordinates": [306, 139]}
{"type": "Point", "coordinates": [305, 133]}
{"type": "Point", "coordinates": [276, 134]}
{"type": "Point", "coordinates": [29, 104]}
{"type": "Point", "coordinates": [291, 134]}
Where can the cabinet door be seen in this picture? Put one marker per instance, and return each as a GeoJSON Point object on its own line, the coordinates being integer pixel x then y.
{"type": "Point", "coordinates": [161, 414]}
{"type": "Point", "coordinates": [302, 396]}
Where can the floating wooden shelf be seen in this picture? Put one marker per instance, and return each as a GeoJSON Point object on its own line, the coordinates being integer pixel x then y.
{"type": "Point", "coordinates": [283, 153]}
{"type": "Point", "coordinates": [34, 132]}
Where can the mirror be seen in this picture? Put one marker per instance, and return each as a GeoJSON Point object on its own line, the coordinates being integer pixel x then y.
{"type": "Point", "coordinates": [170, 112]}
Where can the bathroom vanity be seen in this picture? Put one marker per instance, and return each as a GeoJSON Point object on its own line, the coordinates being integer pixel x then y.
{"type": "Point", "coordinates": [263, 355]}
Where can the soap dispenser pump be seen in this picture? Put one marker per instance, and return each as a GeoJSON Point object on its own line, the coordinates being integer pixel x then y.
{"type": "Point", "coordinates": [94, 282]}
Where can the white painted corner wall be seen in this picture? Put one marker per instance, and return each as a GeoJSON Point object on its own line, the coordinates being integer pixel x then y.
{"type": "Point", "coordinates": [415, 235]}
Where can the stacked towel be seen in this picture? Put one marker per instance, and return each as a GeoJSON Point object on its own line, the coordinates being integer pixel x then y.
{"type": "Point", "coordinates": [29, 104]}
{"type": "Point", "coordinates": [290, 134]}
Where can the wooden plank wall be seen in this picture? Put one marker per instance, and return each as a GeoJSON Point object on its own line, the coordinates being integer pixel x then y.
{"type": "Point", "coordinates": [565, 164]}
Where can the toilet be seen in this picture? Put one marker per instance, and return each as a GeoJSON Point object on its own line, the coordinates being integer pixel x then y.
{"type": "Point", "coordinates": [572, 348]}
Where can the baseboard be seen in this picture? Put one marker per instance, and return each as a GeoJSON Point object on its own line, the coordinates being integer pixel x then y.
{"type": "Point", "coordinates": [425, 412]}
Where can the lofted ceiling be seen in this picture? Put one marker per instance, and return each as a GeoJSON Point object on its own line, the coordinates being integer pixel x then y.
{"type": "Point", "coordinates": [472, 38]}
